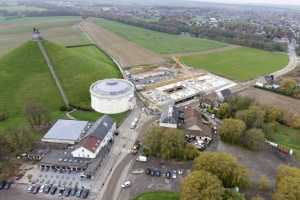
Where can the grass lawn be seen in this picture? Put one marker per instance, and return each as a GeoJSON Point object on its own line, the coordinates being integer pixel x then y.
{"type": "Point", "coordinates": [93, 116]}
{"type": "Point", "coordinates": [16, 31]}
{"type": "Point", "coordinates": [159, 42]}
{"type": "Point", "coordinates": [287, 137]}
{"type": "Point", "coordinates": [78, 68]}
{"type": "Point", "coordinates": [23, 77]}
{"type": "Point", "coordinates": [238, 64]}
{"type": "Point", "coordinates": [158, 196]}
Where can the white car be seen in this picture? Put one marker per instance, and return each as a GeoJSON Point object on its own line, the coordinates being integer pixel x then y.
{"type": "Point", "coordinates": [126, 184]}
{"type": "Point", "coordinates": [29, 189]}
{"type": "Point", "coordinates": [41, 189]}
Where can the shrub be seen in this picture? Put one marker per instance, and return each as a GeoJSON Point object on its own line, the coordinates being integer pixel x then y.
{"type": "Point", "coordinates": [232, 130]}
{"type": "Point", "coordinates": [263, 183]}
{"type": "Point", "coordinates": [3, 116]}
{"type": "Point", "coordinates": [254, 139]}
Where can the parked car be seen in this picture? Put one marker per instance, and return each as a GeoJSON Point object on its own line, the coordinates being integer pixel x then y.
{"type": "Point", "coordinates": [36, 189]}
{"type": "Point", "coordinates": [67, 192]}
{"type": "Point", "coordinates": [148, 171]}
{"type": "Point", "coordinates": [157, 173]}
{"type": "Point", "coordinates": [29, 189]}
{"type": "Point", "coordinates": [174, 174]}
{"type": "Point", "coordinates": [152, 173]}
{"type": "Point", "coordinates": [168, 175]}
{"type": "Point", "coordinates": [61, 191]}
{"type": "Point", "coordinates": [47, 189]}
{"type": "Point", "coordinates": [126, 184]}
{"type": "Point", "coordinates": [85, 193]}
{"type": "Point", "coordinates": [2, 184]}
{"type": "Point", "coordinates": [53, 190]}
{"type": "Point", "coordinates": [134, 123]}
{"type": "Point", "coordinates": [7, 185]}
{"type": "Point", "coordinates": [180, 171]}
{"type": "Point", "coordinates": [42, 188]}
{"type": "Point", "coordinates": [79, 191]}
{"type": "Point", "coordinates": [73, 191]}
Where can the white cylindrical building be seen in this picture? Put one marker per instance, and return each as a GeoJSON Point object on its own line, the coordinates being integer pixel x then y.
{"type": "Point", "coordinates": [111, 96]}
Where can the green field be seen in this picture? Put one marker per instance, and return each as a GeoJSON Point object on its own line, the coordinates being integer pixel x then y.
{"type": "Point", "coordinates": [159, 42]}
{"type": "Point", "coordinates": [287, 137]}
{"type": "Point", "coordinates": [158, 196]}
{"type": "Point", "coordinates": [238, 64]}
{"type": "Point", "coordinates": [14, 31]}
{"type": "Point", "coordinates": [24, 77]}
{"type": "Point", "coordinates": [78, 68]}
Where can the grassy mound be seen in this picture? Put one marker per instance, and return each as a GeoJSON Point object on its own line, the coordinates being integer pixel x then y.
{"type": "Point", "coordinates": [159, 42]}
{"type": "Point", "coordinates": [24, 77]}
{"type": "Point", "coordinates": [238, 64]}
{"type": "Point", "coordinates": [158, 196]}
{"type": "Point", "coordinates": [78, 68]}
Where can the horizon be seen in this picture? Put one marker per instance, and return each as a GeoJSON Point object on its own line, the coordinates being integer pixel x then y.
{"type": "Point", "coordinates": [260, 2]}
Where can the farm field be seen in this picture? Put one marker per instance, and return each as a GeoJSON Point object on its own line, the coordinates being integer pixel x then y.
{"type": "Point", "coordinates": [127, 53]}
{"type": "Point", "coordinates": [158, 196]}
{"type": "Point", "coordinates": [238, 64]}
{"type": "Point", "coordinates": [162, 43]}
{"type": "Point", "coordinates": [20, 8]}
{"type": "Point", "coordinates": [78, 68]}
{"type": "Point", "coordinates": [16, 31]}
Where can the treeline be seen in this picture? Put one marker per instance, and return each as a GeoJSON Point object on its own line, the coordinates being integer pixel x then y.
{"type": "Point", "coordinates": [238, 33]}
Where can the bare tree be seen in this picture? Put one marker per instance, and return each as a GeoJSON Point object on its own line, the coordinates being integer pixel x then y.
{"type": "Point", "coordinates": [37, 115]}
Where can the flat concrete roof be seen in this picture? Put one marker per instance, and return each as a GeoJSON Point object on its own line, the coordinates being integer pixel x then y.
{"type": "Point", "coordinates": [67, 130]}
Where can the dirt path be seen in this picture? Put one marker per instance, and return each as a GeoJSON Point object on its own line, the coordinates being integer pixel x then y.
{"type": "Point", "coordinates": [124, 51]}
{"type": "Point", "coordinates": [202, 52]}
{"type": "Point", "coordinates": [272, 99]}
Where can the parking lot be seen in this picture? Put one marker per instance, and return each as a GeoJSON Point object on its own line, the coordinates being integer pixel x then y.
{"type": "Point", "coordinates": [158, 179]}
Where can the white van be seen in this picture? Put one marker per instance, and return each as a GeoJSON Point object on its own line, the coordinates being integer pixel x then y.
{"type": "Point", "coordinates": [142, 159]}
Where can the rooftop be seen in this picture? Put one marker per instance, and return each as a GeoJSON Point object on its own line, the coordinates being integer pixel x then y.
{"type": "Point", "coordinates": [111, 87]}
{"type": "Point", "coordinates": [71, 130]}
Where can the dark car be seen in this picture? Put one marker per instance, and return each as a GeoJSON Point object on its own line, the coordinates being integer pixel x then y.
{"type": "Point", "coordinates": [79, 191]}
{"type": "Point", "coordinates": [67, 192]}
{"type": "Point", "coordinates": [36, 189]}
{"type": "Point", "coordinates": [7, 185]}
{"type": "Point", "coordinates": [85, 193]}
{"type": "Point", "coordinates": [148, 171]}
{"type": "Point", "coordinates": [73, 191]}
{"type": "Point", "coordinates": [157, 173]}
{"type": "Point", "coordinates": [53, 190]}
{"type": "Point", "coordinates": [2, 184]}
{"type": "Point", "coordinates": [61, 191]}
{"type": "Point", "coordinates": [168, 174]}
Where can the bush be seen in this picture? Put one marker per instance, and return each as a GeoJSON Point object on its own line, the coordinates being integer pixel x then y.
{"type": "Point", "coordinates": [292, 120]}
{"type": "Point", "coordinates": [224, 111]}
{"type": "Point", "coordinates": [232, 130]}
{"type": "Point", "coordinates": [65, 108]}
{"type": "Point", "coordinates": [253, 117]}
{"type": "Point", "coordinates": [3, 116]}
{"type": "Point", "coordinates": [254, 139]}
{"type": "Point", "coordinates": [257, 198]}
{"type": "Point", "coordinates": [224, 166]}
{"type": "Point", "coordinates": [269, 129]}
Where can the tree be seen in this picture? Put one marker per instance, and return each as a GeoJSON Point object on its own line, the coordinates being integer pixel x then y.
{"type": "Point", "coordinates": [224, 111]}
{"type": "Point", "coordinates": [224, 166]}
{"type": "Point", "coordinates": [36, 114]}
{"type": "Point", "coordinates": [253, 117]}
{"type": "Point", "coordinates": [201, 185]}
{"type": "Point", "coordinates": [273, 114]}
{"type": "Point", "coordinates": [287, 86]}
{"type": "Point", "coordinates": [263, 183]}
{"type": "Point", "coordinates": [292, 120]}
{"type": "Point", "coordinates": [287, 184]}
{"type": "Point", "coordinates": [19, 139]}
{"type": "Point", "coordinates": [231, 130]}
{"type": "Point", "coordinates": [229, 194]}
{"type": "Point", "coordinates": [167, 143]}
{"type": "Point", "coordinates": [257, 198]}
{"type": "Point", "coordinates": [237, 103]}
{"type": "Point", "coordinates": [254, 139]}
{"type": "Point", "coordinates": [5, 149]}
